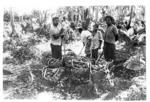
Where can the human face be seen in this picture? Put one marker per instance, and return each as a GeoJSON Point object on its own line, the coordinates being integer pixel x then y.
{"type": "Point", "coordinates": [94, 28]}
{"type": "Point", "coordinates": [84, 26]}
{"type": "Point", "coordinates": [55, 22]}
{"type": "Point", "coordinates": [108, 21]}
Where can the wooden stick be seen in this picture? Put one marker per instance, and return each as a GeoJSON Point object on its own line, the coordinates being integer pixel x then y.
{"type": "Point", "coordinates": [99, 57]}
{"type": "Point", "coordinates": [81, 51]}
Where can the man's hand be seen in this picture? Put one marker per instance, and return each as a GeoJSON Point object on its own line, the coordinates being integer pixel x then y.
{"type": "Point", "coordinates": [100, 51]}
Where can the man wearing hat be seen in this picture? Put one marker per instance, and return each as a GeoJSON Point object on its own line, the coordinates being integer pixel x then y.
{"type": "Point", "coordinates": [56, 32]}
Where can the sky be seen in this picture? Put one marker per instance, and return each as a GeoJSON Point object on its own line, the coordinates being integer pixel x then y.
{"type": "Point", "coordinates": [22, 10]}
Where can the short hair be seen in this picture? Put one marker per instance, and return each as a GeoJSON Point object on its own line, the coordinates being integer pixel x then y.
{"type": "Point", "coordinates": [64, 17]}
{"type": "Point", "coordinates": [72, 25]}
{"type": "Point", "coordinates": [111, 18]}
{"type": "Point", "coordinates": [84, 25]}
{"type": "Point", "coordinates": [96, 25]}
{"type": "Point", "coordinates": [80, 30]}
{"type": "Point", "coordinates": [54, 18]}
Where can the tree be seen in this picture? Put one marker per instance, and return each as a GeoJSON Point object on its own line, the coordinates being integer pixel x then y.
{"type": "Point", "coordinates": [6, 16]}
{"type": "Point", "coordinates": [12, 22]}
{"type": "Point", "coordinates": [131, 15]}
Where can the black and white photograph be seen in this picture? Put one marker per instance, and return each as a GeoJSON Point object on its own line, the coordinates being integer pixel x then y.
{"type": "Point", "coordinates": [94, 52]}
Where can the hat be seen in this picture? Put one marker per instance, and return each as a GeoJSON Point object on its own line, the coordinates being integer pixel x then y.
{"type": "Point", "coordinates": [112, 19]}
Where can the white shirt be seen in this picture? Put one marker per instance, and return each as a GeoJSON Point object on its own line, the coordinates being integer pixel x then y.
{"type": "Point", "coordinates": [130, 32]}
{"type": "Point", "coordinates": [65, 24]}
{"type": "Point", "coordinates": [54, 31]}
{"type": "Point", "coordinates": [95, 40]}
{"type": "Point", "coordinates": [84, 35]}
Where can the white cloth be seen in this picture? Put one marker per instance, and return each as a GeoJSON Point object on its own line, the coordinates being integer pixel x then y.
{"type": "Point", "coordinates": [95, 40]}
{"type": "Point", "coordinates": [142, 37]}
{"type": "Point", "coordinates": [84, 35]}
{"type": "Point", "coordinates": [130, 32]}
{"type": "Point", "coordinates": [54, 31]}
{"type": "Point", "coordinates": [91, 26]}
{"type": "Point", "coordinates": [65, 24]}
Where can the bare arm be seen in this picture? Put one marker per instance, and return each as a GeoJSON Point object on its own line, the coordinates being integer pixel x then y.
{"type": "Point", "coordinates": [100, 40]}
{"type": "Point", "coordinates": [115, 30]}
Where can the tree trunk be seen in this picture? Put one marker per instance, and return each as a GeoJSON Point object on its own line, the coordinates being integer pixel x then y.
{"type": "Point", "coordinates": [12, 22]}
{"type": "Point", "coordinates": [96, 13]}
{"type": "Point", "coordinates": [128, 26]}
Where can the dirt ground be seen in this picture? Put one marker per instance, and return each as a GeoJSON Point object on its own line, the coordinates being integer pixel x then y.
{"type": "Point", "coordinates": [20, 83]}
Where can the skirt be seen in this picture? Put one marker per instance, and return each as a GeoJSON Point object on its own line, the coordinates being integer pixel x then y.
{"type": "Point", "coordinates": [56, 51]}
{"type": "Point", "coordinates": [109, 51]}
{"type": "Point", "coordinates": [95, 54]}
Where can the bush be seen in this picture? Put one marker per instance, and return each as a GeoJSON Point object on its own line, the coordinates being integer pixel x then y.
{"type": "Point", "coordinates": [137, 95]}
{"type": "Point", "coordinates": [22, 54]}
{"type": "Point", "coordinates": [8, 60]}
{"type": "Point", "coordinates": [8, 45]}
{"type": "Point", "coordinates": [45, 57]}
{"type": "Point", "coordinates": [6, 17]}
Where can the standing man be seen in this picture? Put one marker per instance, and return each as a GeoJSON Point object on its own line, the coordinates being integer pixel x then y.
{"type": "Point", "coordinates": [109, 39]}
{"type": "Point", "coordinates": [56, 32]}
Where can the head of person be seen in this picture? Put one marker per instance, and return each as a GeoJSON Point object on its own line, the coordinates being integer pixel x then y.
{"type": "Point", "coordinates": [95, 27]}
{"type": "Point", "coordinates": [72, 25]}
{"type": "Point", "coordinates": [84, 26]}
{"type": "Point", "coordinates": [80, 30]}
{"type": "Point", "coordinates": [64, 18]}
{"type": "Point", "coordinates": [55, 21]}
{"type": "Point", "coordinates": [119, 25]}
{"type": "Point", "coordinates": [109, 20]}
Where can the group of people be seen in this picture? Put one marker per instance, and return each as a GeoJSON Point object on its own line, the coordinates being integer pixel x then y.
{"type": "Point", "coordinates": [94, 41]}
{"type": "Point", "coordinates": [98, 40]}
